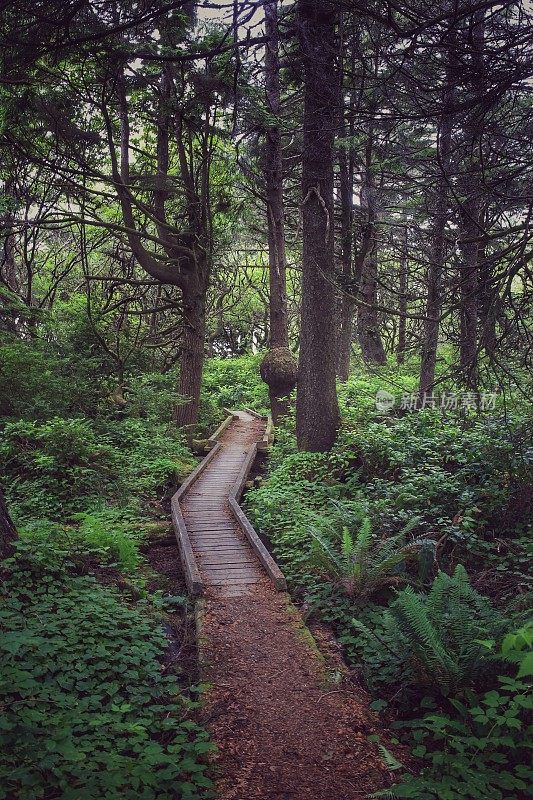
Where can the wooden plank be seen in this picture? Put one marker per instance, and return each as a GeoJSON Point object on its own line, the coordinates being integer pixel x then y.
{"type": "Point", "coordinates": [204, 506]}
{"type": "Point", "coordinates": [216, 557]}
{"type": "Point", "coordinates": [221, 551]}
{"type": "Point", "coordinates": [233, 581]}
{"type": "Point", "coordinates": [199, 532]}
{"type": "Point", "coordinates": [272, 569]}
{"type": "Point", "coordinates": [221, 560]}
{"type": "Point", "coordinates": [238, 571]}
{"type": "Point", "coordinates": [195, 473]}
{"type": "Point", "coordinates": [205, 502]}
{"type": "Point", "coordinates": [259, 548]}
{"type": "Point", "coordinates": [221, 540]}
{"type": "Point", "coordinates": [200, 524]}
{"type": "Point", "coordinates": [209, 514]}
{"type": "Point", "coordinates": [231, 571]}
{"type": "Point", "coordinates": [209, 528]}
{"type": "Point", "coordinates": [213, 439]}
{"type": "Point", "coordinates": [208, 549]}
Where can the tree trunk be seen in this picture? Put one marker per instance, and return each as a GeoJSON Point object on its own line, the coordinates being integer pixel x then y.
{"type": "Point", "coordinates": [8, 533]}
{"type": "Point", "coordinates": [279, 333]}
{"type": "Point", "coordinates": [346, 180]}
{"type": "Point", "coordinates": [367, 317]}
{"type": "Point", "coordinates": [317, 410]}
{"type": "Point", "coordinates": [468, 278]}
{"type": "Point", "coordinates": [347, 304]}
{"type": "Point", "coordinates": [279, 391]}
{"type": "Point", "coordinates": [402, 322]}
{"type": "Point", "coordinates": [192, 354]}
{"type": "Point", "coordinates": [470, 185]}
{"type": "Point", "coordinates": [430, 339]}
{"type": "Point", "coordinates": [489, 302]}
{"type": "Point", "coordinates": [436, 265]}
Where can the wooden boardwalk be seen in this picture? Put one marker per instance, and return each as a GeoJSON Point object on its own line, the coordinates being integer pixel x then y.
{"type": "Point", "coordinates": [219, 548]}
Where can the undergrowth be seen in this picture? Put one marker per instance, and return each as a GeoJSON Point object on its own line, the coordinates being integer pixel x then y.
{"type": "Point", "coordinates": [424, 628]}
{"type": "Point", "coordinates": [88, 710]}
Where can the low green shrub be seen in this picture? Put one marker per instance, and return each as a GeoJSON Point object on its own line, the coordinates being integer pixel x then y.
{"type": "Point", "coordinates": [469, 487]}
{"type": "Point", "coordinates": [155, 456]}
{"type": "Point", "coordinates": [53, 465]}
{"type": "Point", "coordinates": [66, 466]}
{"type": "Point", "coordinates": [235, 383]}
{"type": "Point", "coordinates": [40, 380]}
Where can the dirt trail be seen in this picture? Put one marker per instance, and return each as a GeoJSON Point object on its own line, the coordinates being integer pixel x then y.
{"type": "Point", "coordinates": [283, 733]}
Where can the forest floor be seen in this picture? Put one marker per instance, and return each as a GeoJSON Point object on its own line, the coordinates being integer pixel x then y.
{"type": "Point", "coordinates": [286, 723]}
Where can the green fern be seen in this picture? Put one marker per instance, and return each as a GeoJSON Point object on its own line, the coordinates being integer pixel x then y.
{"type": "Point", "coordinates": [355, 560]}
{"type": "Point", "coordinates": [440, 634]}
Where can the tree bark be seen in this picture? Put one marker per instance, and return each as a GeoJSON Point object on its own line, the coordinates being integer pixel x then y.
{"type": "Point", "coordinates": [317, 410]}
{"type": "Point", "coordinates": [468, 279]}
{"type": "Point", "coordinates": [279, 332]}
{"type": "Point", "coordinates": [470, 213]}
{"type": "Point", "coordinates": [367, 317]}
{"type": "Point", "coordinates": [8, 533]}
{"type": "Point", "coordinates": [489, 302]}
{"type": "Point", "coordinates": [346, 181]}
{"type": "Point", "coordinates": [430, 339]}
{"type": "Point", "coordinates": [402, 322]}
{"type": "Point", "coordinates": [436, 265]}
{"type": "Point", "coordinates": [278, 316]}
{"type": "Point", "coordinates": [347, 303]}
{"type": "Point", "coordinates": [192, 353]}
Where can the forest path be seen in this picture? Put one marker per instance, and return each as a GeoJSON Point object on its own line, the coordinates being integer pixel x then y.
{"type": "Point", "coordinates": [283, 731]}
{"type": "Point", "coordinates": [227, 564]}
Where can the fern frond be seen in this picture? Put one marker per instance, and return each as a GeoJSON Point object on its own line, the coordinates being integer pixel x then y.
{"type": "Point", "coordinates": [323, 554]}
{"type": "Point", "coordinates": [363, 539]}
{"type": "Point", "coordinates": [347, 546]}
{"type": "Point", "coordinates": [411, 525]}
{"type": "Point", "coordinates": [438, 597]}
{"type": "Point", "coordinates": [423, 637]}
{"type": "Point", "coordinates": [387, 794]}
